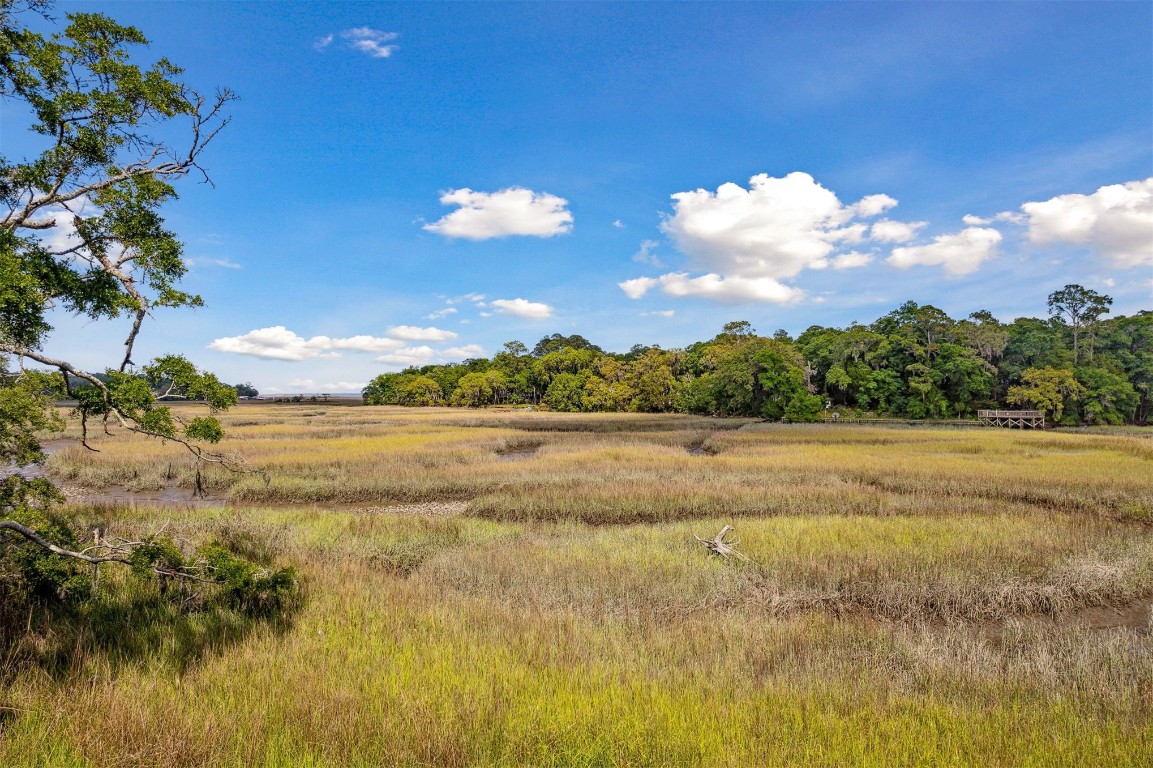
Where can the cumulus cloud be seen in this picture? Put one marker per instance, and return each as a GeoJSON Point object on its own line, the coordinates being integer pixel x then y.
{"type": "Point", "coordinates": [732, 289]}
{"type": "Point", "coordinates": [413, 333]}
{"type": "Point", "coordinates": [872, 205]}
{"type": "Point", "coordinates": [279, 343]}
{"type": "Point", "coordinates": [852, 260]}
{"type": "Point", "coordinates": [513, 211]}
{"type": "Point", "coordinates": [372, 42]}
{"type": "Point", "coordinates": [659, 313]}
{"type": "Point", "coordinates": [638, 286]}
{"type": "Point", "coordinates": [747, 240]}
{"type": "Point", "coordinates": [358, 343]}
{"type": "Point", "coordinates": [462, 353]}
{"type": "Point", "coordinates": [887, 231]}
{"type": "Point", "coordinates": [1115, 222]}
{"type": "Point", "coordinates": [775, 228]}
{"type": "Point", "coordinates": [441, 313]}
{"type": "Point", "coordinates": [323, 42]}
{"type": "Point", "coordinates": [959, 253]}
{"type": "Point", "coordinates": [532, 310]}
{"type": "Point", "coordinates": [406, 356]}
{"type": "Point", "coordinates": [424, 355]}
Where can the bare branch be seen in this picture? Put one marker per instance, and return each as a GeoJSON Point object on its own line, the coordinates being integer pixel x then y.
{"type": "Point", "coordinates": [131, 340]}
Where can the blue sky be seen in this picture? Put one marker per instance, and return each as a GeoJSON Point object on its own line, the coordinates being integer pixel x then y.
{"type": "Point", "coordinates": [420, 182]}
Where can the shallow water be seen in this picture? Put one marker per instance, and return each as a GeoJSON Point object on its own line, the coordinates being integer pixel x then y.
{"type": "Point", "coordinates": [517, 453]}
{"type": "Point", "coordinates": [169, 496]}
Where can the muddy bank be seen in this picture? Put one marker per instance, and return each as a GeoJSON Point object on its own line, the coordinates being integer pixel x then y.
{"type": "Point", "coordinates": [169, 496]}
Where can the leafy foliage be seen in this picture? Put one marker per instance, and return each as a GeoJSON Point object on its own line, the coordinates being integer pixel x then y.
{"type": "Point", "coordinates": [914, 362]}
{"type": "Point", "coordinates": [99, 182]}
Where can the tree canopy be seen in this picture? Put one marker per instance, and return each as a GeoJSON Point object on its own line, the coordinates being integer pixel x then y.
{"type": "Point", "coordinates": [913, 362]}
{"type": "Point", "coordinates": [81, 230]}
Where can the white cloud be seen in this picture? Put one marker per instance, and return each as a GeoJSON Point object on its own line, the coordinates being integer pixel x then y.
{"type": "Point", "coordinates": [323, 42]}
{"type": "Point", "coordinates": [886, 231]}
{"type": "Point", "coordinates": [872, 205]}
{"type": "Point", "coordinates": [513, 211]}
{"type": "Point", "coordinates": [441, 313]}
{"type": "Point", "coordinates": [976, 221]}
{"type": "Point", "coordinates": [1115, 222]}
{"type": "Point", "coordinates": [638, 286]}
{"type": "Point", "coordinates": [424, 355]}
{"type": "Point", "coordinates": [358, 343]}
{"type": "Point", "coordinates": [532, 310]}
{"type": "Point", "coordinates": [618, 224]}
{"type": "Point", "coordinates": [406, 356]}
{"type": "Point", "coordinates": [959, 253]}
{"type": "Point", "coordinates": [851, 260]}
{"type": "Point", "coordinates": [462, 353]}
{"type": "Point", "coordinates": [659, 313]}
{"type": "Point", "coordinates": [645, 255]}
{"type": "Point", "coordinates": [748, 240]}
{"type": "Point", "coordinates": [370, 41]}
{"type": "Point", "coordinates": [279, 343]}
{"type": "Point", "coordinates": [733, 289]}
{"type": "Point", "coordinates": [775, 228]}
{"type": "Point", "coordinates": [413, 333]}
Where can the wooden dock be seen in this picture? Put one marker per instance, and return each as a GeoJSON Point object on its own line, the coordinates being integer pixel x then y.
{"type": "Point", "coordinates": [1018, 419]}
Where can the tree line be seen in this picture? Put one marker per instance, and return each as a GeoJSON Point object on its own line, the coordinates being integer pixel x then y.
{"type": "Point", "coordinates": [916, 362]}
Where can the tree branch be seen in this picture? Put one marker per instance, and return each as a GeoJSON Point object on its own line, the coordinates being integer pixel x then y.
{"type": "Point", "coordinates": [118, 553]}
{"type": "Point", "coordinates": [40, 541]}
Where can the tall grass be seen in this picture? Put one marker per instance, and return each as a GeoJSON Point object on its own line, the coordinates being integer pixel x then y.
{"type": "Point", "coordinates": [622, 468]}
{"type": "Point", "coordinates": [911, 597]}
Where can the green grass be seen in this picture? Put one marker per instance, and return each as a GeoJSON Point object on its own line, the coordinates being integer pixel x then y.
{"type": "Point", "coordinates": [912, 597]}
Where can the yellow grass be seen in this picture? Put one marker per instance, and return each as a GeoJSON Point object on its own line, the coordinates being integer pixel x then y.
{"type": "Point", "coordinates": [911, 597]}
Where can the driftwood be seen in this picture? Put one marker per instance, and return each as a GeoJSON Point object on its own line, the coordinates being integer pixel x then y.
{"type": "Point", "coordinates": [718, 545]}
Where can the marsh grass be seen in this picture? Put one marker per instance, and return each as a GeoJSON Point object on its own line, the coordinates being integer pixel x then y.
{"type": "Point", "coordinates": [912, 596]}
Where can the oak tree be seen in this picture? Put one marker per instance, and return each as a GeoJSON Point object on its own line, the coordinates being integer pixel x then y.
{"type": "Point", "coordinates": [81, 231]}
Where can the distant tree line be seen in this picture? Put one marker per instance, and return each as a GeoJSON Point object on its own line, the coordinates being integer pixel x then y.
{"type": "Point", "coordinates": [914, 362]}
{"type": "Point", "coordinates": [162, 385]}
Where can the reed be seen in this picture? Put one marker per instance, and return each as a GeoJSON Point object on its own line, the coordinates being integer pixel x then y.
{"type": "Point", "coordinates": [490, 589]}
